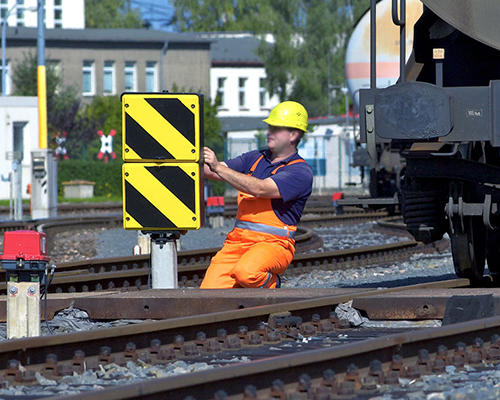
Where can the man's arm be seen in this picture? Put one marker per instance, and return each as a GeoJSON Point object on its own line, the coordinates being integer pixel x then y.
{"type": "Point", "coordinates": [257, 187]}
{"type": "Point", "coordinates": [212, 175]}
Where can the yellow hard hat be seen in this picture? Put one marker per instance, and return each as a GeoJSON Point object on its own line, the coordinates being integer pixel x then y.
{"type": "Point", "coordinates": [289, 114]}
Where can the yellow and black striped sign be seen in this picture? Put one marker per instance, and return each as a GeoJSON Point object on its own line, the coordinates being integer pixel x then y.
{"type": "Point", "coordinates": [164, 196]}
{"type": "Point", "coordinates": [162, 127]}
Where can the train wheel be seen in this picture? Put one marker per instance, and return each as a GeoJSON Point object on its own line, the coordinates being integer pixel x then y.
{"type": "Point", "coordinates": [493, 254]}
{"type": "Point", "coordinates": [469, 249]}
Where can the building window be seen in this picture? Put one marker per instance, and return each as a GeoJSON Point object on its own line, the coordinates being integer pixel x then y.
{"type": "Point", "coordinates": [4, 7]}
{"type": "Point", "coordinates": [130, 76]}
{"type": "Point", "coordinates": [109, 78]}
{"type": "Point", "coordinates": [262, 92]}
{"type": "Point", "coordinates": [221, 83]}
{"type": "Point", "coordinates": [7, 78]}
{"type": "Point", "coordinates": [151, 76]}
{"type": "Point", "coordinates": [20, 12]}
{"type": "Point", "coordinates": [241, 87]}
{"type": "Point", "coordinates": [88, 81]}
{"type": "Point", "coordinates": [58, 14]}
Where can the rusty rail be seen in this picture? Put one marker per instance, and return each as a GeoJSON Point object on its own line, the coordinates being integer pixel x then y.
{"type": "Point", "coordinates": [132, 273]}
{"type": "Point", "coordinates": [332, 371]}
{"type": "Point", "coordinates": [180, 337]}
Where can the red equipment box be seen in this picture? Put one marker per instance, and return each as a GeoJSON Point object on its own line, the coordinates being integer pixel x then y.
{"type": "Point", "coordinates": [24, 250]}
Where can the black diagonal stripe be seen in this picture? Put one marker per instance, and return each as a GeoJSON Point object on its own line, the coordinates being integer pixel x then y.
{"type": "Point", "coordinates": [143, 211]}
{"type": "Point", "coordinates": [178, 182]}
{"type": "Point", "coordinates": [145, 145]}
{"type": "Point", "coordinates": [177, 114]}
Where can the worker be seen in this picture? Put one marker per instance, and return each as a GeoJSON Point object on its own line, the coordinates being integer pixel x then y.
{"type": "Point", "coordinates": [274, 185]}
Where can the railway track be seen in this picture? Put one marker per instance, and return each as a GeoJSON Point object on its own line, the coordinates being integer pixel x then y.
{"type": "Point", "coordinates": [161, 342]}
{"type": "Point", "coordinates": [346, 371]}
{"type": "Point", "coordinates": [132, 273]}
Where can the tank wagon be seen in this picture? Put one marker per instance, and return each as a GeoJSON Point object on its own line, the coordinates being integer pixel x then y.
{"type": "Point", "coordinates": [443, 117]}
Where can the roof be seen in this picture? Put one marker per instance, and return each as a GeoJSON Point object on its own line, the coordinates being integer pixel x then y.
{"type": "Point", "coordinates": [107, 35]}
{"type": "Point", "coordinates": [18, 101]}
{"type": "Point", "coordinates": [236, 51]}
{"type": "Point", "coordinates": [231, 124]}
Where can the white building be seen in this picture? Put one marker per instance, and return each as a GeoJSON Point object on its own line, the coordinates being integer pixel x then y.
{"type": "Point", "coordinates": [238, 75]}
{"type": "Point", "coordinates": [19, 127]}
{"type": "Point", "coordinates": [327, 148]}
{"type": "Point", "coordinates": [67, 14]}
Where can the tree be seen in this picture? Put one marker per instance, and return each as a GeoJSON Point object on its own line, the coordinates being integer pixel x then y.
{"type": "Point", "coordinates": [220, 15]}
{"type": "Point", "coordinates": [104, 113]}
{"type": "Point", "coordinates": [24, 77]}
{"type": "Point", "coordinates": [63, 103]}
{"type": "Point", "coordinates": [111, 14]}
{"type": "Point", "coordinates": [310, 39]}
{"type": "Point", "coordinates": [212, 127]}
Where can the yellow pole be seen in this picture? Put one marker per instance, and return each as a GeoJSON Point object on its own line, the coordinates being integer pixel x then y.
{"type": "Point", "coordinates": [42, 107]}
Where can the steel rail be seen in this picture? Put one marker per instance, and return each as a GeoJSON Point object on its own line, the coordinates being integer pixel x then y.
{"type": "Point", "coordinates": [133, 273]}
{"type": "Point", "coordinates": [234, 380]}
{"type": "Point", "coordinates": [33, 352]}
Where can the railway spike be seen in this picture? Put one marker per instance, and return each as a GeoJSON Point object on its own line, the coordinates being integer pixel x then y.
{"type": "Point", "coordinates": [155, 346]}
{"type": "Point", "coordinates": [130, 351]}
{"type": "Point", "coordinates": [105, 354]}
{"type": "Point", "coordinates": [220, 395]}
{"type": "Point", "coordinates": [250, 392]}
{"type": "Point", "coordinates": [178, 342]}
{"type": "Point", "coordinates": [424, 361]}
{"type": "Point", "coordinates": [478, 353]}
{"type": "Point", "coordinates": [441, 360]}
{"type": "Point", "coordinates": [352, 375]}
{"type": "Point", "coordinates": [376, 371]}
{"type": "Point", "coordinates": [396, 370]}
{"type": "Point", "coordinates": [304, 383]}
{"type": "Point", "coordinates": [329, 382]}
{"type": "Point", "coordinates": [278, 389]}
{"type": "Point", "coordinates": [460, 355]}
{"type": "Point", "coordinates": [78, 361]}
{"type": "Point", "coordinates": [50, 366]}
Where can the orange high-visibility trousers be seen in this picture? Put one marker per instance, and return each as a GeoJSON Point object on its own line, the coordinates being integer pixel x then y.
{"type": "Point", "coordinates": [249, 259]}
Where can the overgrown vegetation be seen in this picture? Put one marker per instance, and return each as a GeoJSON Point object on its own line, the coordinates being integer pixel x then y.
{"type": "Point", "coordinates": [305, 59]}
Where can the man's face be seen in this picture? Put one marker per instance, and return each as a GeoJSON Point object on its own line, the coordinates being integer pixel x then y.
{"type": "Point", "coordinates": [279, 138]}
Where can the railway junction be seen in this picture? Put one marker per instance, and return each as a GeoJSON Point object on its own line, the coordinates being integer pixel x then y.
{"type": "Point", "coordinates": [106, 329]}
{"type": "Point", "coordinates": [91, 309]}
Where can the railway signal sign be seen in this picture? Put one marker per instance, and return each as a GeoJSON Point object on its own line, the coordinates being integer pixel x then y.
{"type": "Point", "coordinates": [162, 174]}
{"type": "Point", "coordinates": [163, 127]}
{"type": "Point", "coordinates": [161, 196]}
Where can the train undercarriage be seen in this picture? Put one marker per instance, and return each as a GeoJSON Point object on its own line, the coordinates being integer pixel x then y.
{"type": "Point", "coordinates": [456, 190]}
{"type": "Point", "coordinates": [443, 118]}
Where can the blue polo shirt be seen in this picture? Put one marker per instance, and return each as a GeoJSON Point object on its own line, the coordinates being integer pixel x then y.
{"type": "Point", "coordinates": [294, 181]}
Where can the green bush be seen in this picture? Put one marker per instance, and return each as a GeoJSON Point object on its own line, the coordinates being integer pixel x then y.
{"type": "Point", "coordinates": [107, 177]}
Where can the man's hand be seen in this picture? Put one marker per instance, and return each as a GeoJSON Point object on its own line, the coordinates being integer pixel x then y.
{"type": "Point", "coordinates": [210, 159]}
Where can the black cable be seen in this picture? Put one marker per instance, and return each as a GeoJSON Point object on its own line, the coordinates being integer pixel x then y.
{"type": "Point", "coordinates": [48, 281]}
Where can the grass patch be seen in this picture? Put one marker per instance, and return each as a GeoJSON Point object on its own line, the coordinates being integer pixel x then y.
{"type": "Point", "coordinates": [95, 199]}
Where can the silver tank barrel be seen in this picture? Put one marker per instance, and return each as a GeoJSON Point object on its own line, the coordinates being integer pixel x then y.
{"type": "Point", "coordinates": [478, 19]}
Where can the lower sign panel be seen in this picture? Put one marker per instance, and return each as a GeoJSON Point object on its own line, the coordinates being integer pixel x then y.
{"type": "Point", "coordinates": [163, 196]}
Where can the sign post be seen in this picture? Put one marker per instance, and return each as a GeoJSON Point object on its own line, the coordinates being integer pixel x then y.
{"type": "Point", "coordinates": [162, 173]}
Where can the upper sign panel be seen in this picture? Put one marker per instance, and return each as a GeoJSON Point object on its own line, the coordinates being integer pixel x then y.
{"type": "Point", "coordinates": [162, 127]}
